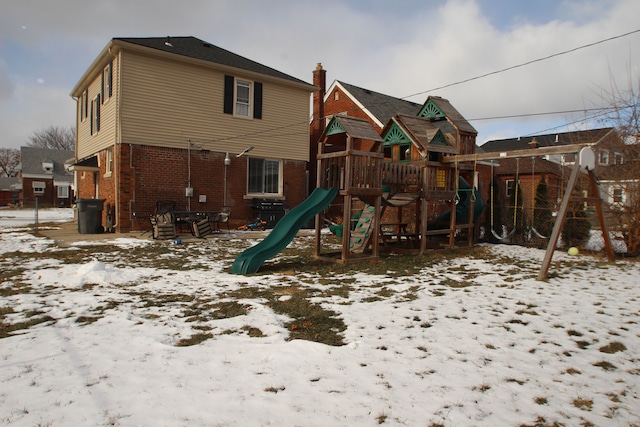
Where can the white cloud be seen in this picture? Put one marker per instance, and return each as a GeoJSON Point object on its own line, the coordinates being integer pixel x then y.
{"type": "Point", "coordinates": [397, 48]}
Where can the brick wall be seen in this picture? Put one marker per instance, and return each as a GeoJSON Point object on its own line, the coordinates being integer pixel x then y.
{"type": "Point", "coordinates": [148, 174]}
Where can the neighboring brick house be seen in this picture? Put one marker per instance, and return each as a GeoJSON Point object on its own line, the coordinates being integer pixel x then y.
{"type": "Point", "coordinates": [605, 142]}
{"type": "Point", "coordinates": [165, 118]}
{"type": "Point", "coordinates": [9, 190]}
{"type": "Point", "coordinates": [45, 175]}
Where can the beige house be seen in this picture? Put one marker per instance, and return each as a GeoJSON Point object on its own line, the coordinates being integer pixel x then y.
{"type": "Point", "coordinates": [178, 119]}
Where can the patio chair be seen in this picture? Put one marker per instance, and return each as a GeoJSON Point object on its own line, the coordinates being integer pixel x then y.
{"type": "Point", "coordinates": [223, 217]}
{"type": "Point", "coordinates": [163, 226]}
{"type": "Point", "coordinates": [202, 227]}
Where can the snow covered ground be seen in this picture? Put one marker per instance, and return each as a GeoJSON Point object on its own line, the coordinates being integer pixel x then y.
{"type": "Point", "coordinates": [144, 333]}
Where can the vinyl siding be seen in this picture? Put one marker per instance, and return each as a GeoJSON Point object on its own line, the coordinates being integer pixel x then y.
{"type": "Point", "coordinates": [90, 144]}
{"type": "Point", "coordinates": [166, 103]}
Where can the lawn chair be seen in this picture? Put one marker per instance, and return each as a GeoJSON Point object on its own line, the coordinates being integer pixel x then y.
{"type": "Point", "coordinates": [202, 227]}
{"type": "Point", "coordinates": [222, 217]}
{"type": "Point", "coordinates": [163, 226]}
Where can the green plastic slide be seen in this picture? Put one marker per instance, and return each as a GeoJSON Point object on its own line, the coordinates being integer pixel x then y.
{"type": "Point", "coordinates": [250, 260]}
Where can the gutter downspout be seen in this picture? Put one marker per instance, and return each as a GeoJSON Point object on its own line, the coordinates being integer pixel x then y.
{"type": "Point", "coordinates": [75, 149]}
{"type": "Point", "coordinates": [118, 140]}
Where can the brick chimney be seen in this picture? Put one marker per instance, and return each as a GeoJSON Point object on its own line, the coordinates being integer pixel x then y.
{"type": "Point", "coordinates": [318, 122]}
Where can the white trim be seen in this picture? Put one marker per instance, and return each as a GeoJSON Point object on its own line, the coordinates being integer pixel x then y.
{"type": "Point", "coordinates": [336, 84]}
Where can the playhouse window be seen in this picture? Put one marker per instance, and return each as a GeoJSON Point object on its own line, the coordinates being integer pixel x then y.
{"type": "Point", "coordinates": [404, 154]}
{"type": "Point", "coordinates": [441, 178]}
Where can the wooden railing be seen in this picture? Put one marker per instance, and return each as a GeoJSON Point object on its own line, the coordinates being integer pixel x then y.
{"type": "Point", "coordinates": [359, 173]}
{"type": "Point", "coordinates": [401, 174]}
{"type": "Point", "coordinates": [365, 173]}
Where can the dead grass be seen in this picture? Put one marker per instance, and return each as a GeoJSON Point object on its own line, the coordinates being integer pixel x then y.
{"type": "Point", "coordinates": [613, 347]}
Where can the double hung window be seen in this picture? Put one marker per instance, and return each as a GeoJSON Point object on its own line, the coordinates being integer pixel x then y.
{"type": "Point", "coordinates": [264, 176]}
{"type": "Point", "coordinates": [242, 98]}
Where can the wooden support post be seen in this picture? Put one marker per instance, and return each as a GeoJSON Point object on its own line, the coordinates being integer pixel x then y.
{"type": "Point", "coordinates": [375, 237]}
{"type": "Point", "coordinates": [452, 225]}
{"type": "Point", "coordinates": [595, 192]}
{"type": "Point", "coordinates": [423, 212]}
{"type": "Point", "coordinates": [346, 228]}
{"type": "Point", "coordinates": [557, 227]}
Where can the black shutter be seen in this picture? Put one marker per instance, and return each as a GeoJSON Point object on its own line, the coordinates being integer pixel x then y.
{"type": "Point", "coordinates": [257, 100]}
{"type": "Point", "coordinates": [228, 94]}
{"type": "Point", "coordinates": [91, 121]}
{"type": "Point", "coordinates": [102, 85]}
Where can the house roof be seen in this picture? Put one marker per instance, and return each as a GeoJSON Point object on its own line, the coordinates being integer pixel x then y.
{"type": "Point", "coordinates": [383, 107]}
{"type": "Point", "coordinates": [452, 114]}
{"type": "Point", "coordinates": [592, 136]}
{"type": "Point", "coordinates": [189, 47]}
{"type": "Point", "coordinates": [422, 131]}
{"type": "Point", "coordinates": [523, 166]}
{"type": "Point", "coordinates": [357, 127]}
{"type": "Point", "coordinates": [6, 183]}
{"type": "Point", "coordinates": [32, 160]}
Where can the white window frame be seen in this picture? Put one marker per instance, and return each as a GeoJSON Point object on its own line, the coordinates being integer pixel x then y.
{"type": "Point", "coordinates": [108, 163]}
{"type": "Point", "coordinates": [617, 195]}
{"type": "Point", "coordinates": [83, 104]}
{"type": "Point", "coordinates": [603, 157]}
{"type": "Point", "coordinates": [255, 192]}
{"type": "Point", "coordinates": [618, 158]}
{"type": "Point", "coordinates": [107, 79]}
{"type": "Point", "coordinates": [39, 188]}
{"type": "Point", "coordinates": [509, 186]}
{"type": "Point", "coordinates": [63, 192]}
{"type": "Point", "coordinates": [240, 103]}
{"type": "Point", "coordinates": [95, 115]}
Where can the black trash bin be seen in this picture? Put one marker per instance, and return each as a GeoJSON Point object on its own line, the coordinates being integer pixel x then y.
{"type": "Point", "coordinates": [90, 216]}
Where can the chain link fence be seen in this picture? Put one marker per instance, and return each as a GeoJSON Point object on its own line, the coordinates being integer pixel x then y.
{"type": "Point", "coordinates": [14, 218]}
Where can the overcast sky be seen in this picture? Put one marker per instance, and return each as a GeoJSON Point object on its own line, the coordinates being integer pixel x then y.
{"type": "Point", "coordinates": [399, 48]}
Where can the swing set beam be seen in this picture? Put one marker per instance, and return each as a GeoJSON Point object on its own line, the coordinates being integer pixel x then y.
{"type": "Point", "coordinates": [527, 152]}
{"type": "Point", "coordinates": [581, 164]}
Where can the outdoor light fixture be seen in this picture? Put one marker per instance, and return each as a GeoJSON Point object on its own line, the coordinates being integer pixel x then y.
{"type": "Point", "coordinates": [245, 151]}
{"type": "Point", "coordinates": [227, 160]}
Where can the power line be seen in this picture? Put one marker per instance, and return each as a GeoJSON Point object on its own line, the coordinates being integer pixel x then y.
{"type": "Point", "coordinates": [550, 113]}
{"type": "Point", "coordinates": [524, 63]}
{"type": "Point", "coordinates": [258, 133]}
{"type": "Point", "coordinates": [584, 119]}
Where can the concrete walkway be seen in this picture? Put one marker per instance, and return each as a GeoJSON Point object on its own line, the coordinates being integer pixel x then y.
{"type": "Point", "coordinates": [67, 233]}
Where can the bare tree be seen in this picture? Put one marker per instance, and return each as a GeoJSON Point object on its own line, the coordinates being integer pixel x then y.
{"type": "Point", "coordinates": [624, 182]}
{"type": "Point", "coordinates": [9, 161]}
{"type": "Point", "coordinates": [54, 137]}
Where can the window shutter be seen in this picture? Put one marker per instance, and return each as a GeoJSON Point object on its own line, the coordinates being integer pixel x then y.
{"type": "Point", "coordinates": [91, 121]}
{"type": "Point", "coordinates": [257, 100]}
{"type": "Point", "coordinates": [228, 94]}
{"type": "Point", "coordinates": [102, 86]}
